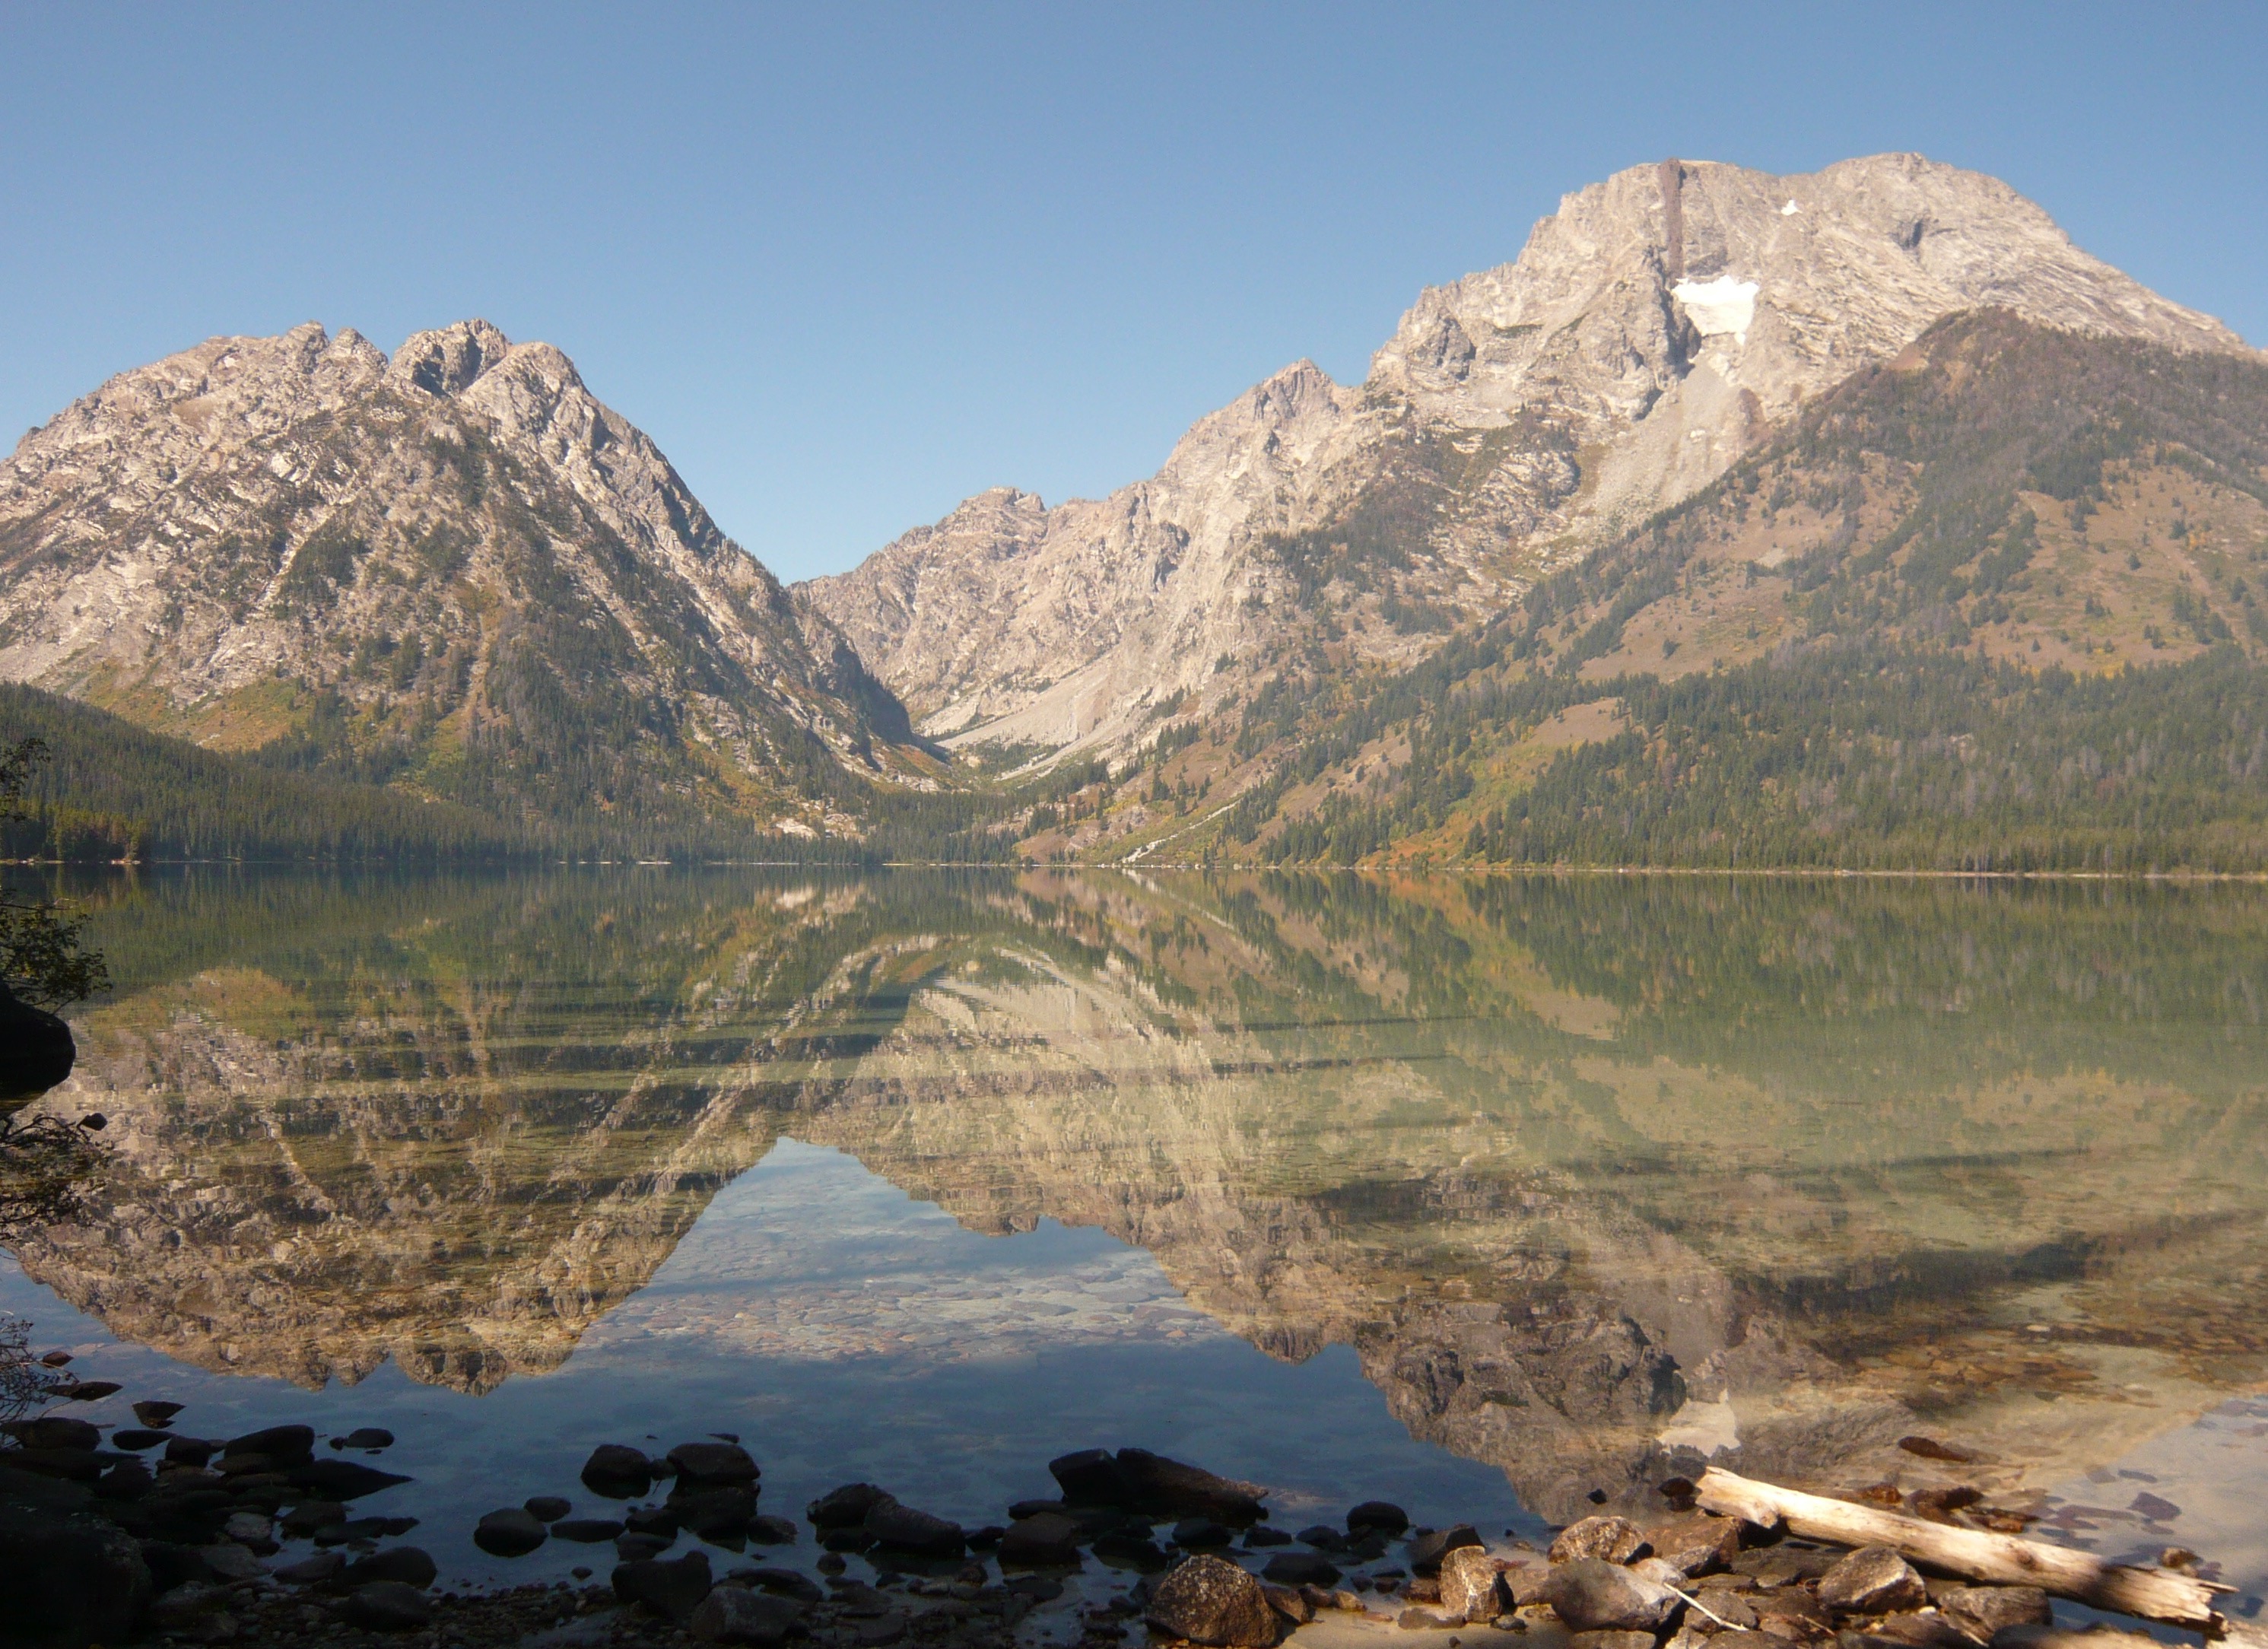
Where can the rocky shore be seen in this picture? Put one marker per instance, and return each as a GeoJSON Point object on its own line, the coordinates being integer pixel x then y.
{"type": "Point", "coordinates": [150, 1534]}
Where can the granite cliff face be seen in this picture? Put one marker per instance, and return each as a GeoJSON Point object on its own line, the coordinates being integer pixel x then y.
{"type": "Point", "coordinates": [1650, 330]}
{"type": "Point", "coordinates": [456, 569]}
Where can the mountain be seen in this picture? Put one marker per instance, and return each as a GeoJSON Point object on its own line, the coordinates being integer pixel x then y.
{"type": "Point", "coordinates": [455, 572]}
{"type": "Point", "coordinates": [1989, 604]}
{"type": "Point", "coordinates": [1658, 326]}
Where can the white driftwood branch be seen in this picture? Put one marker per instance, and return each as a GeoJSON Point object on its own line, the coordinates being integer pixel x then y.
{"type": "Point", "coordinates": [1975, 1554]}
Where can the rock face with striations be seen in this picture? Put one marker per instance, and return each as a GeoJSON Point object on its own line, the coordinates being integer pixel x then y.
{"type": "Point", "coordinates": [457, 567]}
{"type": "Point", "coordinates": [1650, 330]}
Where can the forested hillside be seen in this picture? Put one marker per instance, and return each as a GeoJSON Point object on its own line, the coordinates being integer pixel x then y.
{"type": "Point", "coordinates": [1995, 603]}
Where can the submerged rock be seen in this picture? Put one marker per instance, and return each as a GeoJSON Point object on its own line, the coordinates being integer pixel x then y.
{"type": "Point", "coordinates": [1382, 1515]}
{"type": "Point", "coordinates": [1048, 1539]}
{"type": "Point", "coordinates": [512, 1532]}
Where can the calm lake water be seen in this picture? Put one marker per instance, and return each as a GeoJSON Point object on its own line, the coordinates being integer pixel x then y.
{"type": "Point", "coordinates": [1481, 1195]}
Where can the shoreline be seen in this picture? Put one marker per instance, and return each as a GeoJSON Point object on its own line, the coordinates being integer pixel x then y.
{"type": "Point", "coordinates": [153, 1535]}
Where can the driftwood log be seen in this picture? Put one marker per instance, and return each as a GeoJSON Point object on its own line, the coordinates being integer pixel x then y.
{"type": "Point", "coordinates": [1974, 1554]}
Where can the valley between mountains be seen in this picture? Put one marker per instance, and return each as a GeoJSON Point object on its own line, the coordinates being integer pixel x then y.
{"type": "Point", "coordinates": [1852, 519]}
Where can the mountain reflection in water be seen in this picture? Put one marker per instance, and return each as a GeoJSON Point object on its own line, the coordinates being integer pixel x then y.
{"type": "Point", "coordinates": [1595, 1175]}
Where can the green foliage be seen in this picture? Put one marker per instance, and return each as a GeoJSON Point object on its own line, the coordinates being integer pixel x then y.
{"type": "Point", "coordinates": [43, 957]}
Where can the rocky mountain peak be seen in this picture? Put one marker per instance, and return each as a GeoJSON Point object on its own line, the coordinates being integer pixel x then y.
{"type": "Point", "coordinates": [1655, 326]}
{"type": "Point", "coordinates": [448, 360]}
{"type": "Point", "coordinates": [462, 556]}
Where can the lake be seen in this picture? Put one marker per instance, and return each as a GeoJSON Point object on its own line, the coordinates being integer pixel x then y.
{"type": "Point", "coordinates": [1500, 1198]}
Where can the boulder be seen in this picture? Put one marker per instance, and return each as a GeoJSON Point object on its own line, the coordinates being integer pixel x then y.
{"type": "Point", "coordinates": [1615, 1539]}
{"type": "Point", "coordinates": [1322, 1537]}
{"type": "Point", "coordinates": [714, 1464]}
{"type": "Point", "coordinates": [231, 1561]}
{"type": "Point", "coordinates": [1698, 1543]}
{"type": "Point", "coordinates": [387, 1606]}
{"type": "Point", "coordinates": [714, 1514]}
{"type": "Point", "coordinates": [772, 1531]}
{"type": "Point", "coordinates": [1428, 1550]}
{"type": "Point", "coordinates": [546, 1508]}
{"type": "Point", "coordinates": [1592, 1595]}
{"type": "Point", "coordinates": [1192, 1532]}
{"type": "Point", "coordinates": [73, 1465]}
{"type": "Point", "coordinates": [57, 1431]}
{"type": "Point", "coordinates": [67, 1578]}
{"type": "Point", "coordinates": [1048, 1541]}
{"type": "Point", "coordinates": [137, 1436]}
{"type": "Point", "coordinates": [512, 1532]}
{"type": "Point", "coordinates": [731, 1615]}
{"type": "Point", "coordinates": [404, 1565]}
{"type": "Point", "coordinates": [1382, 1515]}
{"type": "Point", "coordinates": [1301, 1568]}
{"type": "Point", "coordinates": [1209, 1599]}
{"type": "Point", "coordinates": [280, 1443]}
{"type": "Point", "coordinates": [1294, 1604]}
{"type": "Point", "coordinates": [156, 1411]}
{"type": "Point", "coordinates": [1468, 1582]}
{"type": "Point", "coordinates": [316, 1571]}
{"type": "Point", "coordinates": [365, 1437]}
{"type": "Point", "coordinates": [1873, 1580]}
{"type": "Point", "coordinates": [618, 1471]}
{"type": "Point", "coordinates": [672, 1587]}
{"type": "Point", "coordinates": [36, 1051]}
{"type": "Point", "coordinates": [898, 1528]}
{"type": "Point", "coordinates": [1091, 1478]}
{"type": "Point", "coordinates": [1982, 1610]}
{"type": "Point", "coordinates": [845, 1507]}
{"type": "Point", "coordinates": [1171, 1486]}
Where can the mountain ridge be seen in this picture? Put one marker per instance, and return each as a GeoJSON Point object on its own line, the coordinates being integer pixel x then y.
{"type": "Point", "coordinates": [455, 570]}
{"type": "Point", "coordinates": [1539, 407]}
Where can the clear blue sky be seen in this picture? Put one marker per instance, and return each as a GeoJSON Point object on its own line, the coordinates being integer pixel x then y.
{"type": "Point", "coordinates": [848, 263]}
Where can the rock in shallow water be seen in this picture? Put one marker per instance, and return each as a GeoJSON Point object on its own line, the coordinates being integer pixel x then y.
{"type": "Point", "coordinates": [1428, 1550]}
{"type": "Point", "coordinates": [1982, 1610]}
{"type": "Point", "coordinates": [1048, 1539]}
{"type": "Point", "coordinates": [618, 1471]}
{"type": "Point", "coordinates": [672, 1588]}
{"type": "Point", "coordinates": [845, 1507]}
{"type": "Point", "coordinates": [512, 1532]}
{"type": "Point", "coordinates": [714, 1464]}
{"type": "Point", "coordinates": [546, 1508]}
{"type": "Point", "coordinates": [1382, 1515]}
{"type": "Point", "coordinates": [1301, 1568]}
{"type": "Point", "coordinates": [1210, 1601]}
